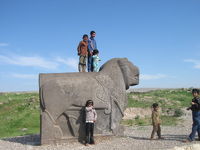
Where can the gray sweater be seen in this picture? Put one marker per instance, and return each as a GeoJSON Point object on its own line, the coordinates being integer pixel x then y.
{"type": "Point", "coordinates": [91, 114]}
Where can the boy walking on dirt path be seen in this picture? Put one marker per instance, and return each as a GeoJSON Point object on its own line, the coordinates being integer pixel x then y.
{"type": "Point", "coordinates": [195, 107]}
{"type": "Point", "coordinates": [156, 121]}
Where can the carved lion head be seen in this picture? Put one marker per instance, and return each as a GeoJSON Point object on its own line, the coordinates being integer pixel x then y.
{"type": "Point", "coordinates": [130, 72]}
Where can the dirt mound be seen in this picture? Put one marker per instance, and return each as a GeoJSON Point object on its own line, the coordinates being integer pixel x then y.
{"type": "Point", "coordinates": [131, 113]}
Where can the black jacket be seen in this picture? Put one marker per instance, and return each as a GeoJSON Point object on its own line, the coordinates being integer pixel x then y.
{"type": "Point", "coordinates": [196, 106]}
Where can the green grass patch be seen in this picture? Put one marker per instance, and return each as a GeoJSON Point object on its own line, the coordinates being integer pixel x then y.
{"type": "Point", "coordinates": [137, 103]}
{"type": "Point", "coordinates": [169, 100]}
{"type": "Point", "coordinates": [172, 99]}
{"type": "Point", "coordinates": [137, 122]}
{"type": "Point", "coordinates": [170, 120]}
{"type": "Point", "coordinates": [19, 114]}
{"type": "Point", "coordinates": [166, 121]}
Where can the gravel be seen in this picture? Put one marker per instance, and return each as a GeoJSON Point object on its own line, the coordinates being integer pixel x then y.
{"type": "Point", "coordinates": [137, 138]}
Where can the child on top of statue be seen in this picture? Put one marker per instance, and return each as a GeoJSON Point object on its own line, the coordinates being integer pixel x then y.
{"type": "Point", "coordinates": [95, 60]}
{"type": "Point", "coordinates": [83, 53]}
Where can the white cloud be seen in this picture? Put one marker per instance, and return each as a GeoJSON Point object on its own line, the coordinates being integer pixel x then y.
{"type": "Point", "coordinates": [152, 77]}
{"type": "Point", "coordinates": [28, 61]}
{"type": "Point", "coordinates": [3, 44]}
{"type": "Point", "coordinates": [71, 62]}
{"type": "Point", "coordinates": [37, 61]}
{"type": "Point", "coordinates": [25, 76]}
{"type": "Point", "coordinates": [195, 62]}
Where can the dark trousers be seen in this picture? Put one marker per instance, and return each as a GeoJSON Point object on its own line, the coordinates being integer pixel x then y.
{"type": "Point", "coordinates": [90, 61]}
{"type": "Point", "coordinates": [156, 129]}
{"type": "Point", "coordinates": [89, 133]}
{"type": "Point", "coordinates": [195, 125]}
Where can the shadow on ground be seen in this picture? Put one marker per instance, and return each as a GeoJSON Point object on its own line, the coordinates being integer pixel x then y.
{"type": "Point", "coordinates": [33, 140]}
{"type": "Point", "coordinates": [167, 137]}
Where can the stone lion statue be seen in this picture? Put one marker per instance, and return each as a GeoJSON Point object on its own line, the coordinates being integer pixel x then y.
{"type": "Point", "coordinates": [63, 97]}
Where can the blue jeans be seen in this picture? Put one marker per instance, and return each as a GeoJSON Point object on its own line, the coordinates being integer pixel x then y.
{"type": "Point", "coordinates": [195, 125]}
{"type": "Point", "coordinates": [90, 68]}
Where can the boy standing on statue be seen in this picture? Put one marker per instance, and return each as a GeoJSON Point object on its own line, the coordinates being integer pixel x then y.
{"type": "Point", "coordinates": [82, 52]}
{"type": "Point", "coordinates": [91, 46]}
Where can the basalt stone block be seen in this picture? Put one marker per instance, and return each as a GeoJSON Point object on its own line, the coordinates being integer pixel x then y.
{"type": "Point", "coordinates": [63, 97]}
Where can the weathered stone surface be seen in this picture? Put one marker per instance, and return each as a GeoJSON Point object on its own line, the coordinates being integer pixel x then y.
{"type": "Point", "coordinates": [63, 97]}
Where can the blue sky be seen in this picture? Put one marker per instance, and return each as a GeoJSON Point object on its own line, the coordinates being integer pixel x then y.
{"type": "Point", "coordinates": [161, 37]}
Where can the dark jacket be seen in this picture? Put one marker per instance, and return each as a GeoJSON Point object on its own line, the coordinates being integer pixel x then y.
{"type": "Point", "coordinates": [196, 106]}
